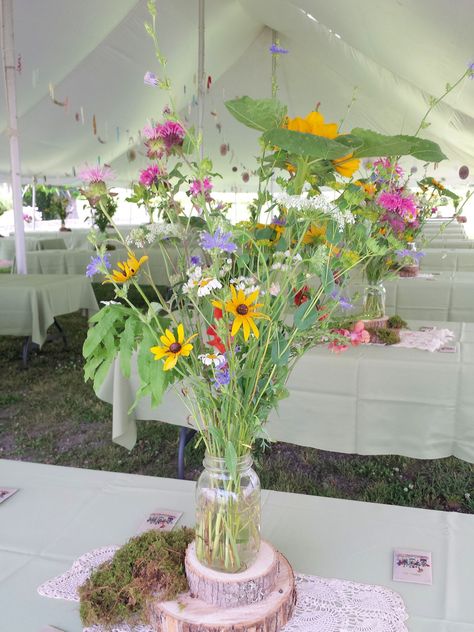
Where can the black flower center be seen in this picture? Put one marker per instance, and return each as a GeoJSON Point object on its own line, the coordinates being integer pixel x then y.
{"type": "Point", "coordinates": [242, 309]}
{"type": "Point", "coordinates": [175, 347]}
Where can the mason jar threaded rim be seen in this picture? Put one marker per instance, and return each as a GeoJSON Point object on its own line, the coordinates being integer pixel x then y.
{"type": "Point", "coordinates": [218, 464]}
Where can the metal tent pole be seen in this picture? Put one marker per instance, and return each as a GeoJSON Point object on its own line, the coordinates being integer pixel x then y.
{"type": "Point", "coordinates": [9, 70]}
{"type": "Point", "coordinates": [201, 71]}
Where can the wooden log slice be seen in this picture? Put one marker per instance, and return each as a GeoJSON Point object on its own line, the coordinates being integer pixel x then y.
{"type": "Point", "coordinates": [194, 615]}
{"type": "Point", "coordinates": [227, 590]}
{"type": "Point", "coordinates": [376, 323]}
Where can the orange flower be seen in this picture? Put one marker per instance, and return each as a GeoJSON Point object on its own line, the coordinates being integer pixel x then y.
{"type": "Point", "coordinates": [314, 124]}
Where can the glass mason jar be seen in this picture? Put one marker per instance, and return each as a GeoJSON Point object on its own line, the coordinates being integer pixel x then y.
{"type": "Point", "coordinates": [410, 269]}
{"type": "Point", "coordinates": [227, 515]}
{"type": "Point", "coordinates": [374, 300]}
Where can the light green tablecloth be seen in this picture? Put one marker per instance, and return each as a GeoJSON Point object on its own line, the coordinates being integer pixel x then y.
{"type": "Point", "coordinates": [447, 296]}
{"type": "Point", "coordinates": [447, 242]}
{"type": "Point", "coordinates": [7, 246]}
{"type": "Point", "coordinates": [61, 513]}
{"type": "Point", "coordinates": [368, 400]}
{"type": "Point", "coordinates": [76, 261]}
{"type": "Point", "coordinates": [29, 303]}
{"type": "Point", "coordinates": [452, 260]}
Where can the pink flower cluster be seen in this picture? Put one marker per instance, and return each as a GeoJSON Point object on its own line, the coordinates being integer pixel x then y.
{"type": "Point", "coordinates": [95, 174]}
{"type": "Point", "coordinates": [163, 138]}
{"type": "Point", "coordinates": [384, 167]}
{"type": "Point", "coordinates": [400, 210]}
{"type": "Point", "coordinates": [149, 175]}
{"type": "Point", "coordinates": [356, 336]}
{"type": "Point", "coordinates": [200, 187]}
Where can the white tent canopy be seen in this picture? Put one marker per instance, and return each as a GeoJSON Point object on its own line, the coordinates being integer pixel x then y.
{"type": "Point", "coordinates": [397, 53]}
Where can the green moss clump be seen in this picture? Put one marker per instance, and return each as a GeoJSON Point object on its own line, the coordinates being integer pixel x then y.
{"type": "Point", "coordinates": [395, 322]}
{"type": "Point", "coordinates": [384, 336]}
{"type": "Point", "coordinates": [150, 566]}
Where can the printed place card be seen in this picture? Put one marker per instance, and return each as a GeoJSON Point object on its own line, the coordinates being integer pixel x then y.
{"type": "Point", "coordinates": [161, 520]}
{"type": "Point", "coordinates": [427, 328]}
{"type": "Point", "coordinates": [448, 348]}
{"type": "Point", "coordinates": [412, 566]}
{"type": "Point", "coordinates": [6, 493]}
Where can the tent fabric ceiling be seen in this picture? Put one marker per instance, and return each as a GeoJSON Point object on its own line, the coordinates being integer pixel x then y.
{"type": "Point", "coordinates": [396, 53]}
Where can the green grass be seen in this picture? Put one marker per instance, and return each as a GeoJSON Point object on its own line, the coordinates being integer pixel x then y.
{"type": "Point", "coordinates": [49, 415]}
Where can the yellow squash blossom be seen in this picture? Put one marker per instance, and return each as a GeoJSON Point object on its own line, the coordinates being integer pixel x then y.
{"type": "Point", "coordinates": [128, 269]}
{"type": "Point", "coordinates": [314, 124]}
{"type": "Point", "coordinates": [245, 311]}
{"type": "Point", "coordinates": [173, 347]}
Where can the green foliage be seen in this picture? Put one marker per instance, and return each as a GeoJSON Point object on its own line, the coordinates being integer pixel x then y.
{"type": "Point", "coordinates": [307, 145]}
{"type": "Point", "coordinates": [150, 566]}
{"type": "Point", "coordinates": [396, 322]}
{"type": "Point", "coordinates": [260, 114]}
{"type": "Point", "coordinates": [384, 336]}
{"type": "Point", "coordinates": [305, 316]}
{"type": "Point", "coordinates": [374, 145]}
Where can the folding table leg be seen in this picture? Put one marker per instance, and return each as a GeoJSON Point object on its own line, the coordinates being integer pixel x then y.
{"type": "Point", "coordinates": [25, 352]}
{"type": "Point", "coordinates": [185, 436]}
{"type": "Point", "coordinates": [62, 333]}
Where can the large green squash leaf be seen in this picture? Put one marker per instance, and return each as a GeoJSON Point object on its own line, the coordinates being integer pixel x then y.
{"type": "Point", "coordinates": [261, 114]}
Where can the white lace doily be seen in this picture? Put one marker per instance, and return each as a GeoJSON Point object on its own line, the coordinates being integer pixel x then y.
{"type": "Point", "coordinates": [323, 605]}
{"type": "Point", "coordinates": [430, 340]}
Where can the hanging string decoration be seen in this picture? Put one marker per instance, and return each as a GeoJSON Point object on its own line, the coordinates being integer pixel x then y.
{"type": "Point", "coordinates": [464, 172]}
{"type": "Point", "coordinates": [19, 65]}
{"type": "Point", "coordinates": [94, 125]}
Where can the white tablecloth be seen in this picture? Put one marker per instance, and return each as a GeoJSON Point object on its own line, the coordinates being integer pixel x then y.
{"type": "Point", "coordinates": [368, 400]}
{"type": "Point", "coordinates": [447, 260]}
{"type": "Point", "coordinates": [61, 513]}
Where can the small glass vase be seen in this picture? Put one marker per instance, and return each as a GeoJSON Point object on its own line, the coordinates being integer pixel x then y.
{"type": "Point", "coordinates": [374, 300]}
{"type": "Point", "coordinates": [227, 515]}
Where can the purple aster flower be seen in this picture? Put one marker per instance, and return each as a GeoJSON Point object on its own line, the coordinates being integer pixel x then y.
{"type": "Point", "coordinates": [95, 264]}
{"type": "Point", "coordinates": [413, 254]}
{"type": "Point", "coordinates": [196, 260]}
{"type": "Point", "coordinates": [279, 221]}
{"type": "Point", "coordinates": [222, 377]}
{"type": "Point", "coordinates": [277, 50]}
{"type": "Point", "coordinates": [344, 303]}
{"type": "Point", "coordinates": [220, 240]}
{"type": "Point", "coordinates": [150, 79]}
{"type": "Point", "coordinates": [470, 69]}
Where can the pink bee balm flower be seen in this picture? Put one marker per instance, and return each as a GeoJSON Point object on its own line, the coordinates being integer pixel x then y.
{"type": "Point", "coordinates": [201, 187]}
{"type": "Point", "coordinates": [149, 175]}
{"type": "Point", "coordinates": [385, 164]}
{"type": "Point", "coordinates": [96, 174]}
{"type": "Point", "coordinates": [154, 143]}
{"type": "Point", "coordinates": [172, 134]}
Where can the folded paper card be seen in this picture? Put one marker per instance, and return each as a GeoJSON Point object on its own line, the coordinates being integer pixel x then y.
{"type": "Point", "coordinates": [412, 566]}
{"type": "Point", "coordinates": [161, 520]}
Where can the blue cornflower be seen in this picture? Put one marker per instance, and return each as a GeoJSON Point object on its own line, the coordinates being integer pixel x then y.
{"type": "Point", "coordinates": [196, 260]}
{"type": "Point", "coordinates": [277, 50]}
{"type": "Point", "coordinates": [471, 70]}
{"type": "Point", "coordinates": [220, 240]}
{"type": "Point", "coordinates": [222, 378]}
{"type": "Point", "coordinates": [96, 263]}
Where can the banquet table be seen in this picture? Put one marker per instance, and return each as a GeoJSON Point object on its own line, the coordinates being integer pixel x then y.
{"type": "Point", "coordinates": [73, 261]}
{"type": "Point", "coordinates": [29, 303]}
{"type": "Point", "coordinates": [449, 242]}
{"type": "Point", "coordinates": [450, 260]}
{"type": "Point", "coordinates": [61, 513]}
{"type": "Point", "coordinates": [7, 246]}
{"type": "Point", "coordinates": [368, 400]}
{"type": "Point", "coordinates": [443, 296]}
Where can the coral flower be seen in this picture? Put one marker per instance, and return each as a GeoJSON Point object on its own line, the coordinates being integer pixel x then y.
{"type": "Point", "coordinates": [173, 347]}
{"type": "Point", "coordinates": [313, 233]}
{"type": "Point", "coordinates": [245, 311]}
{"type": "Point", "coordinates": [128, 269]}
{"type": "Point", "coordinates": [314, 124]}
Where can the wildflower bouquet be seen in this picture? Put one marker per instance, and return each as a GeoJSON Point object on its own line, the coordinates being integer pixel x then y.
{"type": "Point", "coordinates": [246, 300]}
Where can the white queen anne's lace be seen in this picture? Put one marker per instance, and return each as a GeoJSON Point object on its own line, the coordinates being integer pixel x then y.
{"type": "Point", "coordinates": [317, 203]}
{"type": "Point", "coordinates": [323, 605]}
